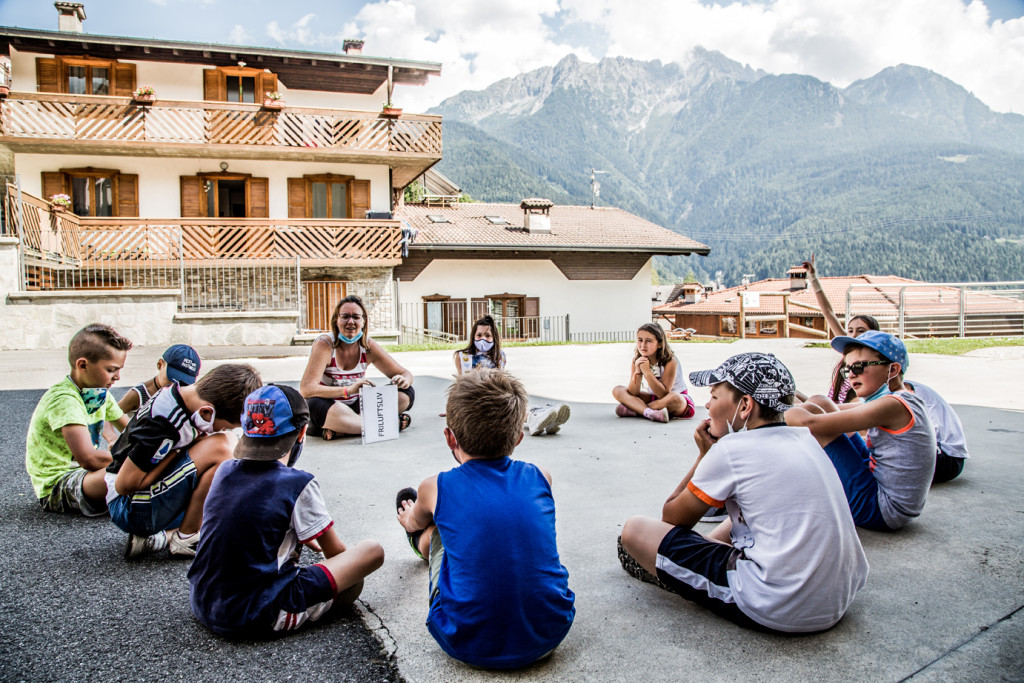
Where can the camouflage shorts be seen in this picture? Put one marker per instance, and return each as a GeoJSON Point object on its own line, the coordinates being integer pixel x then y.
{"type": "Point", "coordinates": [67, 496]}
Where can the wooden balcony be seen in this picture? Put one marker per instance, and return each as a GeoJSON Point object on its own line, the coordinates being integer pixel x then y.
{"type": "Point", "coordinates": [49, 123]}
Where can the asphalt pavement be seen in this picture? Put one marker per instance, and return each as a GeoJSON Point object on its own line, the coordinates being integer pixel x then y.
{"type": "Point", "coordinates": [943, 600]}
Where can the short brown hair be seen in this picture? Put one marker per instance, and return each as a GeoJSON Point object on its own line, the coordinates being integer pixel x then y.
{"type": "Point", "coordinates": [486, 410]}
{"type": "Point", "coordinates": [336, 331]}
{"type": "Point", "coordinates": [225, 388]}
{"type": "Point", "coordinates": [769, 415]}
{"type": "Point", "coordinates": [95, 342]}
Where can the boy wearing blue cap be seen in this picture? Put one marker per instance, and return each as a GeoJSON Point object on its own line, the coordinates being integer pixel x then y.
{"type": "Point", "coordinates": [245, 581]}
{"type": "Point", "coordinates": [886, 478]}
{"type": "Point", "coordinates": [788, 559]}
{"type": "Point", "coordinates": [180, 363]}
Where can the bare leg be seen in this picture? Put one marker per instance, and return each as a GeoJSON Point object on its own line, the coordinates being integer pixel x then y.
{"type": "Point", "coordinates": [423, 544]}
{"type": "Point", "coordinates": [350, 567]}
{"type": "Point", "coordinates": [675, 403]}
{"type": "Point", "coordinates": [721, 533]}
{"type": "Point", "coordinates": [341, 419]}
{"type": "Point", "coordinates": [641, 537]}
{"type": "Point", "coordinates": [94, 486]}
{"type": "Point", "coordinates": [634, 403]}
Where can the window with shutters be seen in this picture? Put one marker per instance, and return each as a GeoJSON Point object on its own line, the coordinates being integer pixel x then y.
{"type": "Point", "coordinates": [224, 195]}
{"type": "Point", "coordinates": [95, 192]}
{"type": "Point", "coordinates": [84, 76]}
{"type": "Point", "coordinates": [328, 196]}
{"type": "Point", "coordinates": [237, 84]}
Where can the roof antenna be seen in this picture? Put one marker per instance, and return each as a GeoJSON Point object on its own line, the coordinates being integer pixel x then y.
{"type": "Point", "coordinates": [595, 186]}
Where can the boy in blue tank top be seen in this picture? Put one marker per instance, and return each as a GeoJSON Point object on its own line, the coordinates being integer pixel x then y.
{"type": "Point", "coordinates": [499, 595]}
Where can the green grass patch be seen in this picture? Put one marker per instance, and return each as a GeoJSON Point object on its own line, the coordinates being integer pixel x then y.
{"type": "Point", "coordinates": [399, 348]}
{"type": "Point", "coordinates": [948, 347]}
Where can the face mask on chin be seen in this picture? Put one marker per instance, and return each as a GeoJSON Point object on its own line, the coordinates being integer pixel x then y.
{"type": "Point", "coordinates": [201, 424]}
{"type": "Point", "coordinates": [733, 430]}
{"type": "Point", "coordinates": [882, 391]}
{"type": "Point", "coordinates": [350, 340]}
{"type": "Point", "coordinates": [94, 398]}
{"type": "Point", "coordinates": [483, 346]}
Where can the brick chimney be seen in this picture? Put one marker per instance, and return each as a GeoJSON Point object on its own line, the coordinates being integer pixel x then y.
{"type": "Point", "coordinates": [353, 47]}
{"type": "Point", "coordinates": [797, 277]}
{"type": "Point", "coordinates": [537, 218]}
{"type": "Point", "coordinates": [70, 16]}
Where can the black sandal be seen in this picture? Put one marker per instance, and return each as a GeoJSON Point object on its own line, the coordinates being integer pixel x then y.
{"type": "Point", "coordinates": [409, 493]}
{"type": "Point", "coordinates": [404, 420]}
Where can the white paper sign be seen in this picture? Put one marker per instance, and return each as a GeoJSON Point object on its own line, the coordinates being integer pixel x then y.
{"type": "Point", "coordinates": [751, 299]}
{"type": "Point", "coordinates": [379, 410]}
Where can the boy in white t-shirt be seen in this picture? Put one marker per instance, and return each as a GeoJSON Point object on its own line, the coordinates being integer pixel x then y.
{"type": "Point", "coordinates": [788, 559]}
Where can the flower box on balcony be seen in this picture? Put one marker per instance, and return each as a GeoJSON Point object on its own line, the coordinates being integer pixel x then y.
{"type": "Point", "coordinates": [144, 100]}
{"type": "Point", "coordinates": [5, 90]}
{"type": "Point", "coordinates": [391, 112]}
{"type": "Point", "coordinates": [273, 105]}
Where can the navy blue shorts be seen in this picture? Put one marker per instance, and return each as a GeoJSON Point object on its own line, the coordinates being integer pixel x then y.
{"type": "Point", "coordinates": [698, 569]}
{"type": "Point", "coordinates": [308, 597]}
{"type": "Point", "coordinates": [162, 505]}
{"type": "Point", "coordinates": [852, 460]}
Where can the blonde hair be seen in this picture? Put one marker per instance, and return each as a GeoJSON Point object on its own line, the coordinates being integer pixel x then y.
{"type": "Point", "coordinates": [486, 410]}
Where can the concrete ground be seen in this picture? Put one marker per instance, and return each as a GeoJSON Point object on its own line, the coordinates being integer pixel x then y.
{"type": "Point", "coordinates": [943, 600]}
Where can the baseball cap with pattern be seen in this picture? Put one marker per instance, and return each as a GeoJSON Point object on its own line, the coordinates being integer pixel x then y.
{"type": "Point", "coordinates": [270, 411]}
{"type": "Point", "coordinates": [759, 375]}
{"type": "Point", "coordinates": [891, 347]}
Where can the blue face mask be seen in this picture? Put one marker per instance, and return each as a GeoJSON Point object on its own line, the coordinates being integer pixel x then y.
{"type": "Point", "coordinates": [350, 340]}
{"type": "Point", "coordinates": [882, 391]}
{"type": "Point", "coordinates": [483, 346]}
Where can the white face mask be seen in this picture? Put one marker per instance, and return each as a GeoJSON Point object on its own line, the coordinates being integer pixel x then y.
{"type": "Point", "coordinates": [483, 346]}
{"type": "Point", "coordinates": [204, 426]}
{"type": "Point", "coordinates": [733, 430]}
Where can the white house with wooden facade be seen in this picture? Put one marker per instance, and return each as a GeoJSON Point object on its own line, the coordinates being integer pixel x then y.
{"type": "Point", "coordinates": [207, 180]}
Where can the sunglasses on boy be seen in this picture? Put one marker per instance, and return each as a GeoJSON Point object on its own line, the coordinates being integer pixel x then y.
{"type": "Point", "coordinates": [858, 368]}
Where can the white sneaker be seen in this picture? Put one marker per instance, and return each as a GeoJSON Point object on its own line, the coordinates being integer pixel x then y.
{"type": "Point", "coordinates": [540, 418]}
{"type": "Point", "coordinates": [140, 545]}
{"type": "Point", "coordinates": [182, 547]}
{"type": "Point", "coordinates": [561, 419]}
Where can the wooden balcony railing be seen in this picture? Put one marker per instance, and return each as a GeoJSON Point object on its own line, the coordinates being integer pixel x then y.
{"type": "Point", "coordinates": [97, 119]}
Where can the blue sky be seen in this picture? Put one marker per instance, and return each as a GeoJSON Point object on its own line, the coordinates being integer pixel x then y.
{"type": "Point", "coordinates": [978, 43]}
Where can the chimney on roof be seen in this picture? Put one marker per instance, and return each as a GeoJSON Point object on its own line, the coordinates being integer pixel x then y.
{"type": "Point", "coordinates": [353, 47]}
{"type": "Point", "coordinates": [536, 218]}
{"type": "Point", "coordinates": [797, 277]}
{"type": "Point", "coordinates": [693, 293]}
{"type": "Point", "coordinates": [70, 16]}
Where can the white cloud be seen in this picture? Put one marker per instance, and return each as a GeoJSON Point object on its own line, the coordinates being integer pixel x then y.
{"type": "Point", "coordinates": [839, 41]}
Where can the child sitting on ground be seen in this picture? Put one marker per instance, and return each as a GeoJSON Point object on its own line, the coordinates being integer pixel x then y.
{"type": "Point", "coordinates": [179, 363]}
{"type": "Point", "coordinates": [656, 388]}
{"type": "Point", "coordinates": [789, 558]}
{"type": "Point", "coordinates": [61, 456]}
{"type": "Point", "coordinates": [951, 452]}
{"type": "Point", "coordinates": [484, 351]}
{"type": "Point", "coordinates": [886, 479]}
{"type": "Point", "coordinates": [499, 595]}
{"type": "Point", "coordinates": [245, 580]}
{"type": "Point", "coordinates": [167, 456]}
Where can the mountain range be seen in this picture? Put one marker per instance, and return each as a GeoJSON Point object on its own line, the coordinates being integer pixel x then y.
{"type": "Point", "coordinates": [903, 173]}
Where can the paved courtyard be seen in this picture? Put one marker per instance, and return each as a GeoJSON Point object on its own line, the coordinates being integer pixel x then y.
{"type": "Point", "coordinates": [942, 600]}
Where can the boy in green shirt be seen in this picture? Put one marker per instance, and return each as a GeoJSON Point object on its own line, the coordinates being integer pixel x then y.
{"type": "Point", "coordinates": [66, 467]}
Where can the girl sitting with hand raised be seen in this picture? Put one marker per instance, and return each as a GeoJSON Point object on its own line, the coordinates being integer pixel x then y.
{"type": "Point", "coordinates": [656, 388]}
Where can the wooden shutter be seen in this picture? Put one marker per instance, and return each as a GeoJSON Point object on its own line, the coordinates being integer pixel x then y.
{"type": "Point", "coordinates": [360, 198]}
{"type": "Point", "coordinates": [214, 88]}
{"type": "Point", "coordinates": [258, 198]}
{"type": "Point", "coordinates": [297, 198]}
{"type": "Point", "coordinates": [531, 320]}
{"type": "Point", "coordinates": [127, 189]}
{"type": "Point", "coordinates": [265, 83]}
{"type": "Point", "coordinates": [53, 183]}
{"type": "Point", "coordinates": [192, 196]}
{"type": "Point", "coordinates": [47, 75]}
{"type": "Point", "coordinates": [531, 306]}
{"type": "Point", "coordinates": [123, 78]}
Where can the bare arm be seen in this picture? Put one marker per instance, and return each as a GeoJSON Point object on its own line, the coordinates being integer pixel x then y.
{"type": "Point", "coordinates": [823, 303]}
{"type": "Point", "coordinates": [329, 542]}
{"type": "Point", "coordinates": [887, 412]}
{"type": "Point", "coordinates": [319, 358]}
{"type": "Point", "coordinates": [419, 515]}
{"type": "Point", "coordinates": [383, 361]}
{"type": "Point", "coordinates": [683, 508]}
{"type": "Point", "coordinates": [656, 385]}
{"type": "Point", "coordinates": [458, 363]}
{"type": "Point", "coordinates": [83, 452]}
{"type": "Point", "coordinates": [129, 403]}
{"type": "Point", "coordinates": [633, 386]}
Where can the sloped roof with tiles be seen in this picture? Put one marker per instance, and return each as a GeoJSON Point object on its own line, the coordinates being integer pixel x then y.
{"type": "Point", "coordinates": [580, 228]}
{"type": "Point", "coordinates": [882, 301]}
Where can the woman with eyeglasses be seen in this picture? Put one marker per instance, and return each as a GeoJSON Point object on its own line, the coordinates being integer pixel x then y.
{"type": "Point", "coordinates": [886, 478]}
{"type": "Point", "coordinates": [336, 371]}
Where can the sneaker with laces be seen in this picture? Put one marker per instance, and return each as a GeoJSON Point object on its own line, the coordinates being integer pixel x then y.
{"type": "Point", "coordinates": [540, 418]}
{"type": "Point", "coordinates": [141, 545]}
{"type": "Point", "coordinates": [182, 546]}
{"type": "Point", "coordinates": [633, 568]}
{"type": "Point", "coordinates": [560, 419]}
{"type": "Point", "coordinates": [715, 515]}
{"type": "Point", "coordinates": [657, 415]}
